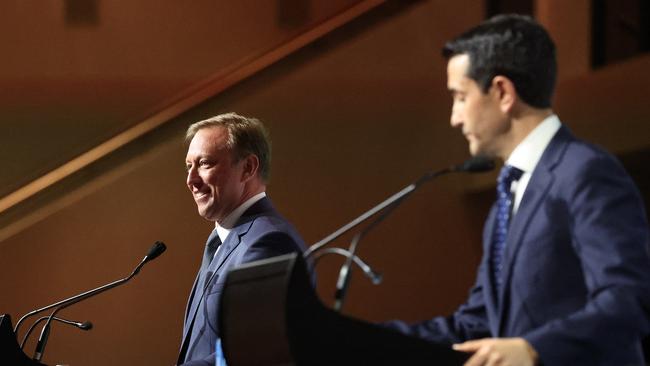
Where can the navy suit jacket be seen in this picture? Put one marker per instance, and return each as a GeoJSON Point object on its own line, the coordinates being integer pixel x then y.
{"type": "Point", "coordinates": [576, 269]}
{"type": "Point", "coordinates": [260, 233]}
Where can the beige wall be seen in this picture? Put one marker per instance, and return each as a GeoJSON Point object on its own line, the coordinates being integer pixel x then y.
{"type": "Point", "coordinates": [353, 118]}
{"type": "Point", "coordinates": [569, 22]}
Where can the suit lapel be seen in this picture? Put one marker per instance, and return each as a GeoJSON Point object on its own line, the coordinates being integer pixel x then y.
{"type": "Point", "coordinates": [187, 325]}
{"type": "Point", "coordinates": [535, 192]}
{"type": "Point", "coordinates": [227, 248]}
{"type": "Point", "coordinates": [232, 241]}
{"type": "Point", "coordinates": [236, 234]}
{"type": "Point", "coordinates": [489, 285]}
{"type": "Point", "coordinates": [187, 307]}
{"type": "Point", "coordinates": [538, 186]}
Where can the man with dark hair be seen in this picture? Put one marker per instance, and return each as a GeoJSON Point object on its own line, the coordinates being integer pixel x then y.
{"type": "Point", "coordinates": [228, 163]}
{"type": "Point", "coordinates": [565, 274]}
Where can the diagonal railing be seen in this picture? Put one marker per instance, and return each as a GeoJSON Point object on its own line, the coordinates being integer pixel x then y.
{"type": "Point", "coordinates": [187, 100]}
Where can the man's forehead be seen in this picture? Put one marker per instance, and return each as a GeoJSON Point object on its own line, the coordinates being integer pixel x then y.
{"type": "Point", "coordinates": [217, 135]}
{"type": "Point", "coordinates": [457, 72]}
{"type": "Point", "coordinates": [212, 139]}
{"type": "Point", "coordinates": [458, 64]}
{"type": "Point", "coordinates": [215, 131]}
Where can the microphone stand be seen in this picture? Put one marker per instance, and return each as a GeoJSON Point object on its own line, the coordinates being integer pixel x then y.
{"type": "Point", "coordinates": [363, 217]}
{"type": "Point", "coordinates": [83, 326]}
{"type": "Point", "coordinates": [389, 205]}
{"type": "Point", "coordinates": [473, 165]}
{"type": "Point", "coordinates": [45, 332]}
{"type": "Point", "coordinates": [157, 249]}
{"type": "Point", "coordinates": [374, 277]}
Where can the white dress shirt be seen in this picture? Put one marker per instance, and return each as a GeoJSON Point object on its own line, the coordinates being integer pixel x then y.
{"type": "Point", "coordinates": [229, 222]}
{"type": "Point", "coordinates": [527, 154]}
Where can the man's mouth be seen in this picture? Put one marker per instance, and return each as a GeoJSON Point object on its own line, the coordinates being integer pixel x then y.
{"type": "Point", "coordinates": [198, 196]}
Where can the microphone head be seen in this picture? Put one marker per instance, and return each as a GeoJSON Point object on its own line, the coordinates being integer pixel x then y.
{"type": "Point", "coordinates": [86, 325]}
{"type": "Point", "coordinates": [376, 278]}
{"type": "Point", "coordinates": [157, 249]}
{"type": "Point", "coordinates": [477, 164]}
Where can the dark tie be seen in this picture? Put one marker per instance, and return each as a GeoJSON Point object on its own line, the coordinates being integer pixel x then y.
{"type": "Point", "coordinates": [204, 275]}
{"type": "Point", "coordinates": [507, 175]}
{"type": "Point", "coordinates": [210, 248]}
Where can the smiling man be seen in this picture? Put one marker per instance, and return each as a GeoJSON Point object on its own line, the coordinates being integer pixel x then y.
{"type": "Point", "coordinates": [228, 163]}
{"type": "Point", "coordinates": [565, 273]}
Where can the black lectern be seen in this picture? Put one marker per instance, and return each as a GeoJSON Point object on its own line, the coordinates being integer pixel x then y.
{"type": "Point", "coordinates": [10, 352]}
{"type": "Point", "coordinates": [270, 315]}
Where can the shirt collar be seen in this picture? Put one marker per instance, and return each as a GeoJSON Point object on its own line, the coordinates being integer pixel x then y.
{"type": "Point", "coordinates": [527, 154]}
{"type": "Point", "coordinates": [229, 222]}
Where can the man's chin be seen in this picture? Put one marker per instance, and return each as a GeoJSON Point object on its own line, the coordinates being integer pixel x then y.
{"type": "Point", "coordinates": [474, 150]}
{"type": "Point", "coordinates": [206, 213]}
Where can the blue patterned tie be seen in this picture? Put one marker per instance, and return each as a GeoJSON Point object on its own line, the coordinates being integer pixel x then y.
{"type": "Point", "coordinates": [507, 175]}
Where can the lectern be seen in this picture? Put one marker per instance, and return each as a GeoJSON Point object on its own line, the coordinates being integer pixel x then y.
{"type": "Point", "coordinates": [270, 315]}
{"type": "Point", "coordinates": [10, 352]}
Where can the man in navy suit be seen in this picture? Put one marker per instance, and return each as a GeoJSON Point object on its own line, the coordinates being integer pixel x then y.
{"type": "Point", "coordinates": [565, 274]}
{"type": "Point", "coordinates": [228, 162]}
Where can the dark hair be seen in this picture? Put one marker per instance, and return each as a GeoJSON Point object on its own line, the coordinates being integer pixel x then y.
{"type": "Point", "coordinates": [246, 136]}
{"type": "Point", "coordinates": [514, 46]}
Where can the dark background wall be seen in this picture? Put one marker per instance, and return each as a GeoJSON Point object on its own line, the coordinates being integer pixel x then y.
{"type": "Point", "coordinates": [354, 118]}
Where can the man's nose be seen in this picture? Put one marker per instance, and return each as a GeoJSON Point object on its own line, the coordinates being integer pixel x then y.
{"type": "Point", "coordinates": [455, 120]}
{"type": "Point", "coordinates": [192, 177]}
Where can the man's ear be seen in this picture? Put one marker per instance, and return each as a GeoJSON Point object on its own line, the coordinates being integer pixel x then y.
{"type": "Point", "coordinates": [251, 165]}
{"type": "Point", "coordinates": [505, 92]}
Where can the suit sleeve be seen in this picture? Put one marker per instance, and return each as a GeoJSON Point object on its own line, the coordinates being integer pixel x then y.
{"type": "Point", "coordinates": [609, 233]}
{"type": "Point", "coordinates": [469, 321]}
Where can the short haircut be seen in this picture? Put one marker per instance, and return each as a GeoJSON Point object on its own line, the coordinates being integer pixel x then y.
{"type": "Point", "coordinates": [514, 46]}
{"type": "Point", "coordinates": [246, 136]}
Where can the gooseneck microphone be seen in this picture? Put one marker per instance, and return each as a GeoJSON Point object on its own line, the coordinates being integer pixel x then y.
{"type": "Point", "coordinates": [157, 249]}
{"type": "Point", "coordinates": [477, 164]}
{"type": "Point", "coordinates": [474, 165]}
{"type": "Point", "coordinates": [83, 326]}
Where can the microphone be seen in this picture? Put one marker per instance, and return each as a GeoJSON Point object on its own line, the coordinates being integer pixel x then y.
{"type": "Point", "coordinates": [157, 249]}
{"type": "Point", "coordinates": [475, 164]}
{"type": "Point", "coordinates": [83, 326]}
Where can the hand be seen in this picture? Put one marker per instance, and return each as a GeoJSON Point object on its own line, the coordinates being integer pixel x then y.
{"type": "Point", "coordinates": [499, 352]}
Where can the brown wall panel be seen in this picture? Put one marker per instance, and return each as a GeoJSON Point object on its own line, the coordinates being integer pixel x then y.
{"type": "Point", "coordinates": [353, 119]}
